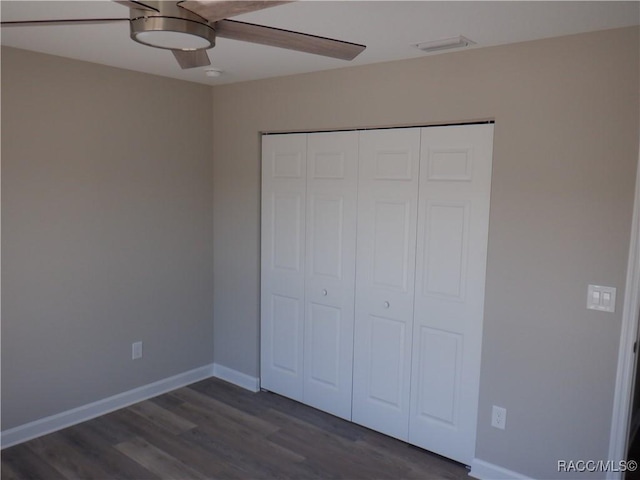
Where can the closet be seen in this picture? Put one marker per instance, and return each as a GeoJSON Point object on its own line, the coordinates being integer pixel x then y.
{"type": "Point", "coordinates": [309, 194]}
{"type": "Point", "coordinates": [372, 282]}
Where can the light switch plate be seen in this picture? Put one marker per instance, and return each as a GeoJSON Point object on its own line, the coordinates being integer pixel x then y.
{"type": "Point", "coordinates": [601, 298]}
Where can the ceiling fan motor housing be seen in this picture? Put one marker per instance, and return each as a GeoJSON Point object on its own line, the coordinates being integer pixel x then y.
{"type": "Point", "coordinates": [171, 28]}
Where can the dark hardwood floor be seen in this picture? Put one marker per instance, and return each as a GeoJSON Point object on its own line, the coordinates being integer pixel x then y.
{"type": "Point", "coordinates": [213, 429]}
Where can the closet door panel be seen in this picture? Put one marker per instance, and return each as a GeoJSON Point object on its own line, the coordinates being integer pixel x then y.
{"type": "Point", "coordinates": [332, 170]}
{"type": "Point", "coordinates": [453, 219]}
{"type": "Point", "coordinates": [387, 210]}
{"type": "Point", "coordinates": [283, 263]}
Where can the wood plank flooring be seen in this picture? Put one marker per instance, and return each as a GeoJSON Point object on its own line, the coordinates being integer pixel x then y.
{"type": "Point", "coordinates": [215, 430]}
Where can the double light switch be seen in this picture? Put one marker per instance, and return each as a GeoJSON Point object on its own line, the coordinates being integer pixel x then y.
{"type": "Point", "coordinates": [601, 298]}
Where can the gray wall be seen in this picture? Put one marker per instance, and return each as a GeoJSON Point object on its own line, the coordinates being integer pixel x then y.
{"type": "Point", "coordinates": [107, 238]}
{"type": "Point", "coordinates": [106, 231]}
{"type": "Point", "coordinates": [565, 154]}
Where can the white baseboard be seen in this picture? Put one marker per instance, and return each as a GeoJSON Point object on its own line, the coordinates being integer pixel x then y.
{"type": "Point", "coordinates": [77, 415]}
{"type": "Point", "coordinates": [237, 378]}
{"type": "Point", "coordinates": [488, 471]}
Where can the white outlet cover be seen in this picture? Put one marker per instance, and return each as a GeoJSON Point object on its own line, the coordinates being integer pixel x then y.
{"type": "Point", "coordinates": [498, 417]}
{"type": "Point", "coordinates": [136, 350]}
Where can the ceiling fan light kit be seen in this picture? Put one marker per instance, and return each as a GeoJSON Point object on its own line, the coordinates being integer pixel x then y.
{"type": "Point", "coordinates": [171, 27]}
{"type": "Point", "coordinates": [172, 33]}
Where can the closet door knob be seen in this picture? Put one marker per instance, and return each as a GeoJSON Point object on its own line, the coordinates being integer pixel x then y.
{"type": "Point", "coordinates": [387, 304]}
{"type": "Point", "coordinates": [324, 292]}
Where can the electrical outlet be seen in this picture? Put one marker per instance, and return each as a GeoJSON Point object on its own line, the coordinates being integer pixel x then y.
{"type": "Point", "coordinates": [498, 417]}
{"type": "Point", "coordinates": [136, 350]}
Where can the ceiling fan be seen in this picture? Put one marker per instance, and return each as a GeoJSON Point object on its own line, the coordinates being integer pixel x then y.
{"type": "Point", "coordinates": [189, 27]}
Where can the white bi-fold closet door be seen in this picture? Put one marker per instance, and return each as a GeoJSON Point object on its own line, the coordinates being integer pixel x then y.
{"type": "Point", "coordinates": [402, 356]}
{"type": "Point", "coordinates": [387, 220]}
{"type": "Point", "coordinates": [309, 195]}
{"type": "Point", "coordinates": [423, 217]}
{"type": "Point", "coordinates": [453, 228]}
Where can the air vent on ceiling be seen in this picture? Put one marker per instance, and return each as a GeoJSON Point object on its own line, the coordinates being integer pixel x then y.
{"type": "Point", "coordinates": [445, 44]}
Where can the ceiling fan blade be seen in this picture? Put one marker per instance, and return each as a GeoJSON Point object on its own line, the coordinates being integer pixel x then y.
{"type": "Point", "coordinates": [214, 10]}
{"type": "Point", "coordinates": [77, 21]}
{"type": "Point", "coordinates": [276, 37]}
{"type": "Point", "coordinates": [191, 58]}
{"type": "Point", "coordinates": [137, 5]}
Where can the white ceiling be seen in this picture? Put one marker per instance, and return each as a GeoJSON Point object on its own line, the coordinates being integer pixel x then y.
{"type": "Point", "coordinates": [390, 29]}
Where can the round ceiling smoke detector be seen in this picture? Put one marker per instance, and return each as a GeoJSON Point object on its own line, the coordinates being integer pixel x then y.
{"type": "Point", "coordinates": [212, 72]}
{"type": "Point", "coordinates": [172, 33]}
